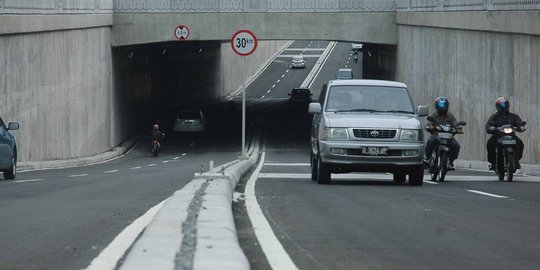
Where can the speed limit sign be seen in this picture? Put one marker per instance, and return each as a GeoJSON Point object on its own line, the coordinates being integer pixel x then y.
{"type": "Point", "coordinates": [244, 42]}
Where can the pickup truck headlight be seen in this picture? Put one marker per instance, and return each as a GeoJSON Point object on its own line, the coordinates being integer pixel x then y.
{"type": "Point", "coordinates": [409, 135]}
{"type": "Point", "coordinates": [336, 134]}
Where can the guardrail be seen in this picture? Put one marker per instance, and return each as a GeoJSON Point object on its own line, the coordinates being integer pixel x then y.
{"type": "Point", "coordinates": [271, 6]}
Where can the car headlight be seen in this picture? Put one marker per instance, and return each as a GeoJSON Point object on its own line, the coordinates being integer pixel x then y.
{"type": "Point", "coordinates": [336, 134]}
{"type": "Point", "coordinates": [409, 135]}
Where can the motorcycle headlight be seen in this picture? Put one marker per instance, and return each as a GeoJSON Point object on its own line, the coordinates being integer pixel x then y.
{"type": "Point", "coordinates": [409, 135]}
{"type": "Point", "coordinates": [446, 128]}
{"type": "Point", "coordinates": [336, 134]}
{"type": "Point", "coordinates": [507, 130]}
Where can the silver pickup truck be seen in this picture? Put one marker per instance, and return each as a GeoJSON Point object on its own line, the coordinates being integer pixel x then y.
{"type": "Point", "coordinates": [366, 126]}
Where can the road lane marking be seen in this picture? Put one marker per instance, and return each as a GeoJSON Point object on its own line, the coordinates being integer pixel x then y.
{"type": "Point", "coordinates": [175, 158]}
{"type": "Point", "coordinates": [152, 165]}
{"type": "Point", "coordinates": [29, 180]}
{"type": "Point", "coordinates": [273, 250]}
{"type": "Point", "coordinates": [305, 55]}
{"type": "Point", "coordinates": [487, 194]}
{"type": "Point", "coordinates": [282, 76]}
{"type": "Point", "coordinates": [78, 175]}
{"type": "Point", "coordinates": [431, 182]}
{"type": "Point", "coordinates": [285, 164]}
{"type": "Point", "coordinates": [135, 168]}
{"type": "Point", "coordinates": [278, 81]}
{"type": "Point", "coordinates": [109, 256]}
{"type": "Point", "coordinates": [263, 96]}
{"type": "Point", "coordinates": [111, 171]}
{"type": "Point", "coordinates": [166, 161]}
{"type": "Point", "coordinates": [184, 154]}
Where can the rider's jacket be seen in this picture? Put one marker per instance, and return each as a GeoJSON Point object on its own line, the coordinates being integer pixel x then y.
{"type": "Point", "coordinates": [156, 135]}
{"type": "Point", "coordinates": [441, 119]}
{"type": "Point", "coordinates": [499, 118]}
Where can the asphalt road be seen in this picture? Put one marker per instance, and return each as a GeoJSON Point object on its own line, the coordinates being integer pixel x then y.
{"type": "Point", "coordinates": [63, 218]}
{"type": "Point", "coordinates": [366, 221]}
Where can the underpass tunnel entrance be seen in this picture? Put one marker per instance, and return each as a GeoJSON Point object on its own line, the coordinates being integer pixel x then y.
{"type": "Point", "coordinates": [379, 61]}
{"type": "Point", "coordinates": [155, 81]}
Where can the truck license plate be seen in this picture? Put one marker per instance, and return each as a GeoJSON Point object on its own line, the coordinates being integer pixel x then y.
{"type": "Point", "coordinates": [375, 151]}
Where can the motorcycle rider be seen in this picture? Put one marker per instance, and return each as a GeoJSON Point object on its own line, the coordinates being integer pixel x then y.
{"type": "Point", "coordinates": [501, 117]}
{"type": "Point", "coordinates": [442, 116]}
{"type": "Point", "coordinates": [355, 56]}
{"type": "Point", "coordinates": [157, 134]}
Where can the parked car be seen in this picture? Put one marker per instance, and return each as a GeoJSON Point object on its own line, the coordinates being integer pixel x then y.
{"type": "Point", "coordinates": [300, 95]}
{"type": "Point", "coordinates": [366, 126]}
{"type": "Point", "coordinates": [190, 121]}
{"type": "Point", "coordinates": [344, 74]}
{"type": "Point", "coordinates": [298, 62]}
{"type": "Point", "coordinates": [8, 150]}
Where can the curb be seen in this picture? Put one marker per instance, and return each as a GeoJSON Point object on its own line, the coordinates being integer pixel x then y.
{"type": "Point", "coordinates": [114, 153]}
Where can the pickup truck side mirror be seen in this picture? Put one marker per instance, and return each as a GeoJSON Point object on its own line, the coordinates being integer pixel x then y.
{"type": "Point", "coordinates": [422, 110]}
{"type": "Point", "coordinates": [314, 107]}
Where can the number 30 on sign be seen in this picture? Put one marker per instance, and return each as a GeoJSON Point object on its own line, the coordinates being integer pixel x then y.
{"type": "Point", "coordinates": [244, 42]}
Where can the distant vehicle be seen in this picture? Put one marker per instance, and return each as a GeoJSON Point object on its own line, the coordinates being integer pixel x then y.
{"type": "Point", "coordinates": [344, 74]}
{"type": "Point", "coordinates": [8, 150]}
{"type": "Point", "coordinates": [356, 47]}
{"type": "Point", "coordinates": [298, 62]}
{"type": "Point", "coordinates": [366, 126]}
{"type": "Point", "coordinates": [190, 121]}
{"type": "Point", "coordinates": [300, 95]}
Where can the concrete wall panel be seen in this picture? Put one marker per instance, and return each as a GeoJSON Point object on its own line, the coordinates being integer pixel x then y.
{"type": "Point", "coordinates": [57, 85]}
{"type": "Point", "coordinates": [472, 69]}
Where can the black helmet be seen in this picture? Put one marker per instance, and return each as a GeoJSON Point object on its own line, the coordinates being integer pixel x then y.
{"type": "Point", "coordinates": [502, 104]}
{"type": "Point", "coordinates": [441, 104]}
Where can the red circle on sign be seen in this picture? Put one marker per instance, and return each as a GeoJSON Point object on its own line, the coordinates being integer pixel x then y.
{"type": "Point", "coordinates": [244, 42]}
{"type": "Point", "coordinates": [183, 34]}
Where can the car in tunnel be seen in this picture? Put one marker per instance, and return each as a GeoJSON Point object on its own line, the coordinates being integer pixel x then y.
{"type": "Point", "coordinates": [298, 62]}
{"type": "Point", "coordinates": [191, 120]}
{"type": "Point", "coordinates": [344, 74]}
{"type": "Point", "coordinates": [8, 150]}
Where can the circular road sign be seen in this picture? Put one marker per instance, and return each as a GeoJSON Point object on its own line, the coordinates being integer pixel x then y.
{"type": "Point", "coordinates": [181, 32]}
{"type": "Point", "coordinates": [244, 42]}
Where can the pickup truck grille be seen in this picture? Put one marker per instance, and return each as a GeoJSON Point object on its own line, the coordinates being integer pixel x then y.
{"type": "Point", "coordinates": [374, 133]}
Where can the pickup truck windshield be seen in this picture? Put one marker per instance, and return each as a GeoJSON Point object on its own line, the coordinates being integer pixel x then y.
{"type": "Point", "coordinates": [356, 98]}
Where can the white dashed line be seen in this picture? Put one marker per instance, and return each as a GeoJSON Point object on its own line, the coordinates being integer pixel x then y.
{"type": "Point", "coordinates": [166, 161]}
{"type": "Point", "coordinates": [268, 91]}
{"type": "Point", "coordinates": [278, 81]}
{"type": "Point", "coordinates": [111, 171]}
{"type": "Point", "coordinates": [29, 180]}
{"type": "Point", "coordinates": [78, 175]}
{"type": "Point", "coordinates": [152, 165]}
{"type": "Point", "coordinates": [175, 158]}
{"type": "Point", "coordinates": [135, 168]}
{"type": "Point", "coordinates": [282, 75]}
{"type": "Point", "coordinates": [263, 96]}
{"type": "Point", "coordinates": [273, 86]}
{"type": "Point", "coordinates": [287, 70]}
{"type": "Point", "coordinates": [184, 154]}
{"type": "Point", "coordinates": [487, 194]}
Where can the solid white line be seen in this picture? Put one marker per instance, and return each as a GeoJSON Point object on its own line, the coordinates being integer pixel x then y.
{"type": "Point", "coordinates": [299, 49]}
{"type": "Point", "coordinates": [108, 258]}
{"type": "Point", "coordinates": [78, 175]}
{"type": "Point", "coordinates": [487, 194]}
{"type": "Point", "coordinates": [134, 168]}
{"type": "Point", "coordinates": [273, 250]}
{"type": "Point", "coordinates": [29, 180]}
{"type": "Point", "coordinates": [285, 164]}
{"type": "Point", "coordinates": [112, 171]}
{"type": "Point", "coordinates": [431, 182]}
{"type": "Point", "coordinates": [152, 165]}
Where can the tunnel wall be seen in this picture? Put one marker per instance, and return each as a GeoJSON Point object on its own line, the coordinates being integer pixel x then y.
{"type": "Point", "coordinates": [472, 69]}
{"type": "Point", "coordinates": [57, 85]}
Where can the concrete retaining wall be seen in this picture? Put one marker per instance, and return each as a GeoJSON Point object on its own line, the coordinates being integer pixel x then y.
{"type": "Point", "coordinates": [472, 69]}
{"type": "Point", "coordinates": [57, 85]}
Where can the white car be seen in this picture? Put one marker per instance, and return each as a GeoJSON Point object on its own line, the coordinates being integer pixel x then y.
{"type": "Point", "coordinates": [190, 121]}
{"type": "Point", "coordinates": [356, 47]}
{"type": "Point", "coordinates": [298, 62]}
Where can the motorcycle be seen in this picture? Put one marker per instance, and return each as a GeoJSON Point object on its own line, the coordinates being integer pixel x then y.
{"type": "Point", "coordinates": [507, 150]}
{"type": "Point", "coordinates": [155, 148]}
{"type": "Point", "coordinates": [355, 58]}
{"type": "Point", "coordinates": [439, 162]}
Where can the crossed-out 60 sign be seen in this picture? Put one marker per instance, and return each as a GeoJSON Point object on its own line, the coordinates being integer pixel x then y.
{"type": "Point", "coordinates": [244, 42]}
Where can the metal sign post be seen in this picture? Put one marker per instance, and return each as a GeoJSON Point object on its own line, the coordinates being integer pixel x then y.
{"type": "Point", "coordinates": [244, 43]}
